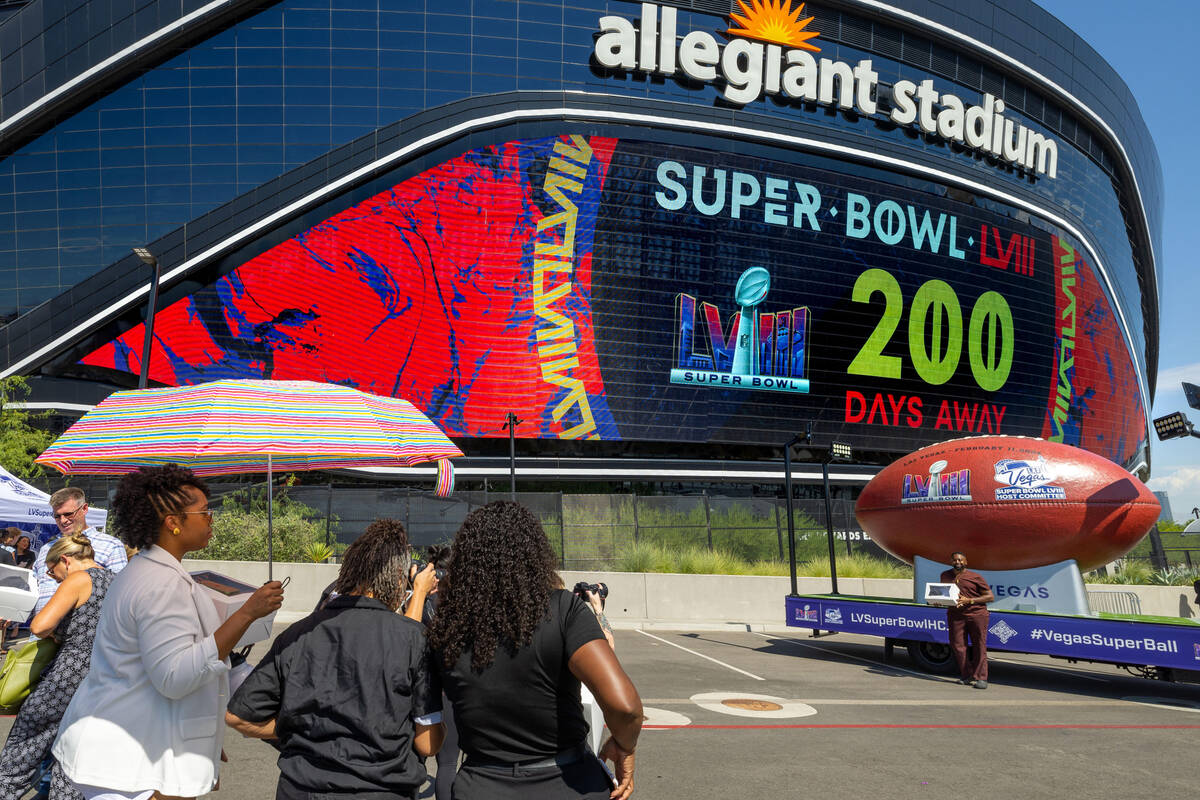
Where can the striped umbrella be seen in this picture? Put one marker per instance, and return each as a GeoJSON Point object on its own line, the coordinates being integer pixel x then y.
{"type": "Point", "coordinates": [234, 426]}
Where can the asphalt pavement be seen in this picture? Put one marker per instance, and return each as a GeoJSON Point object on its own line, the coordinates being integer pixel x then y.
{"type": "Point", "coordinates": [741, 714]}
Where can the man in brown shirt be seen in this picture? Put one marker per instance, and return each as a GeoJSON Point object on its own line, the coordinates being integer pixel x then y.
{"type": "Point", "coordinates": [969, 619]}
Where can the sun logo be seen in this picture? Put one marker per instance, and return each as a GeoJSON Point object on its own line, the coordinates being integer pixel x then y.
{"type": "Point", "coordinates": [771, 21]}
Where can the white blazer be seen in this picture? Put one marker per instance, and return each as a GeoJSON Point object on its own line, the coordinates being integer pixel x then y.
{"type": "Point", "coordinates": [150, 713]}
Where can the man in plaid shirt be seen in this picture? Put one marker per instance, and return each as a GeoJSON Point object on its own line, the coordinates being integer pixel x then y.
{"type": "Point", "coordinates": [70, 513]}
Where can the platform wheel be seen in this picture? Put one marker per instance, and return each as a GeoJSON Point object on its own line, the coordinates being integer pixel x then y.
{"type": "Point", "coordinates": [933, 657]}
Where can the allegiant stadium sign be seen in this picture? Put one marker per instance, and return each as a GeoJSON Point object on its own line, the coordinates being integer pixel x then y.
{"type": "Point", "coordinates": [769, 54]}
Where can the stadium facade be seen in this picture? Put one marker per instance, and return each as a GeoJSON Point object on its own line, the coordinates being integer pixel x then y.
{"type": "Point", "coordinates": [665, 236]}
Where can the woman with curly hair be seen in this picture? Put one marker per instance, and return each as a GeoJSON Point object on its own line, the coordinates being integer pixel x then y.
{"type": "Point", "coordinates": [146, 719]}
{"type": "Point", "coordinates": [70, 617]}
{"type": "Point", "coordinates": [513, 646]}
{"type": "Point", "coordinates": [348, 692]}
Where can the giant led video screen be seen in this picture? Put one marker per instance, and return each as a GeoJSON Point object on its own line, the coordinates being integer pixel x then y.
{"type": "Point", "coordinates": [618, 289]}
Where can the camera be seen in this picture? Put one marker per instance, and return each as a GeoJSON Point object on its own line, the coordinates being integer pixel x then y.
{"type": "Point", "coordinates": [419, 565]}
{"type": "Point", "coordinates": [581, 589]}
{"type": "Point", "coordinates": [437, 555]}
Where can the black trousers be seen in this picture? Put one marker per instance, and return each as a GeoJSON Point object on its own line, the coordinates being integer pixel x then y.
{"type": "Point", "coordinates": [286, 790]}
{"type": "Point", "coordinates": [585, 778]}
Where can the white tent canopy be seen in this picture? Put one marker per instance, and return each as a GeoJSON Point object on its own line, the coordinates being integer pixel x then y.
{"type": "Point", "coordinates": [28, 508]}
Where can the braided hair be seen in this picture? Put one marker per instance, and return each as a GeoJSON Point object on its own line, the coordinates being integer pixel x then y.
{"type": "Point", "coordinates": [377, 562]}
{"type": "Point", "coordinates": [498, 590]}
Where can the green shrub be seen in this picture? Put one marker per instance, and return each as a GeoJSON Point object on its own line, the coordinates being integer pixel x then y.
{"type": "Point", "coordinates": [1132, 572]}
{"type": "Point", "coordinates": [644, 557]}
{"type": "Point", "coordinates": [240, 528]}
{"type": "Point", "coordinates": [856, 566]}
{"type": "Point", "coordinates": [694, 560]}
{"type": "Point", "coordinates": [318, 552]}
{"type": "Point", "coordinates": [1176, 575]}
{"type": "Point", "coordinates": [702, 561]}
{"type": "Point", "coordinates": [769, 568]}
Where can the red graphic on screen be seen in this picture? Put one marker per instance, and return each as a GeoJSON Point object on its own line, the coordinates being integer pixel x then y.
{"type": "Point", "coordinates": [465, 290]}
{"type": "Point", "coordinates": [1094, 398]}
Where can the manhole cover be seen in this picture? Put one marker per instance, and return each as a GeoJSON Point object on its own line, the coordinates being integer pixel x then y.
{"type": "Point", "coordinates": [745, 704]}
{"type": "Point", "coordinates": [752, 705]}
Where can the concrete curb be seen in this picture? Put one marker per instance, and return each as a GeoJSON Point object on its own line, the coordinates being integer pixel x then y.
{"type": "Point", "coordinates": [648, 625]}
{"type": "Point", "coordinates": [663, 601]}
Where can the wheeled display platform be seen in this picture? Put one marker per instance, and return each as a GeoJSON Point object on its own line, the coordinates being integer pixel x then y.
{"type": "Point", "coordinates": [1156, 647]}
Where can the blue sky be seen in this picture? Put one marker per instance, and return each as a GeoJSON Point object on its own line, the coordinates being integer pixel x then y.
{"type": "Point", "coordinates": [1154, 51]}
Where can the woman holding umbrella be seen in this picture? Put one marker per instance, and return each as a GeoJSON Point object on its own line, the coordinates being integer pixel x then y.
{"type": "Point", "coordinates": [147, 718]}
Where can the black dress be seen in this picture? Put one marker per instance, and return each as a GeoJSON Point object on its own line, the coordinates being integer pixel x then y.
{"type": "Point", "coordinates": [524, 711]}
{"type": "Point", "coordinates": [37, 722]}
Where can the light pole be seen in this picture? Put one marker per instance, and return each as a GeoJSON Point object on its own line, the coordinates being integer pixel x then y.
{"type": "Point", "coordinates": [837, 452]}
{"type": "Point", "coordinates": [149, 260]}
{"type": "Point", "coordinates": [787, 488]}
{"type": "Point", "coordinates": [511, 424]}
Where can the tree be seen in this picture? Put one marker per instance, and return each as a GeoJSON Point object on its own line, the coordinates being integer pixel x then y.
{"type": "Point", "coordinates": [20, 441]}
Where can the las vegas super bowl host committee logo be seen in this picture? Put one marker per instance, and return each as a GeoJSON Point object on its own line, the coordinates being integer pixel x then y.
{"type": "Point", "coordinates": [1024, 479]}
{"type": "Point", "coordinates": [755, 351]}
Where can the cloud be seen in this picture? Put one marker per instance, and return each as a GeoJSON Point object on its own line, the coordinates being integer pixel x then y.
{"type": "Point", "coordinates": [1169, 379]}
{"type": "Point", "coordinates": [1186, 372]}
{"type": "Point", "coordinates": [1182, 487]}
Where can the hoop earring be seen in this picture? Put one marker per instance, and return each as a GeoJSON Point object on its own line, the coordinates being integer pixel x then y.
{"type": "Point", "coordinates": [175, 532]}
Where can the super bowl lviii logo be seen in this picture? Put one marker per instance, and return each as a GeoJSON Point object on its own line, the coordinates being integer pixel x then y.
{"type": "Point", "coordinates": [756, 351]}
{"type": "Point", "coordinates": [939, 486]}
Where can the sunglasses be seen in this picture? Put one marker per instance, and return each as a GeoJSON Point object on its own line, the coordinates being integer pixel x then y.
{"type": "Point", "coordinates": [61, 515]}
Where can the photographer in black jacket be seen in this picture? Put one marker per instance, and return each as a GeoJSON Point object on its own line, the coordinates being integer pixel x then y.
{"type": "Point", "coordinates": [362, 707]}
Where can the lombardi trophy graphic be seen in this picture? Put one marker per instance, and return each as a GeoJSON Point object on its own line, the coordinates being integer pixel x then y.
{"type": "Point", "coordinates": [751, 289]}
{"type": "Point", "coordinates": [935, 478]}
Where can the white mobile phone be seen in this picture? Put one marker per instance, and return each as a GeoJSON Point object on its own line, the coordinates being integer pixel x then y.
{"type": "Point", "coordinates": [611, 778]}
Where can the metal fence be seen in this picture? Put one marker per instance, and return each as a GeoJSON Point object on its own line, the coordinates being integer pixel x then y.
{"type": "Point", "coordinates": [587, 531]}
{"type": "Point", "coordinates": [1164, 558]}
{"type": "Point", "coordinates": [1114, 602]}
{"type": "Point", "coordinates": [595, 531]}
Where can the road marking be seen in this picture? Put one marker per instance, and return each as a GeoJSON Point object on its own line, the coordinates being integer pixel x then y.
{"type": "Point", "coordinates": [784, 709]}
{"type": "Point", "coordinates": [883, 664]}
{"type": "Point", "coordinates": [693, 652]}
{"type": "Point", "coordinates": [966, 699]}
{"type": "Point", "coordinates": [662, 719]}
{"type": "Point", "coordinates": [938, 726]}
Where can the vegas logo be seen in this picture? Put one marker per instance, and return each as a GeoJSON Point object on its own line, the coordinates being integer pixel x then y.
{"type": "Point", "coordinates": [756, 351]}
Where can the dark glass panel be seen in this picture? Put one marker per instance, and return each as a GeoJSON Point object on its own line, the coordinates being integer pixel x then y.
{"type": "Point", "coordinates": [262, 134]}
{"type": "Point", "coordinates": [175, 176]}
